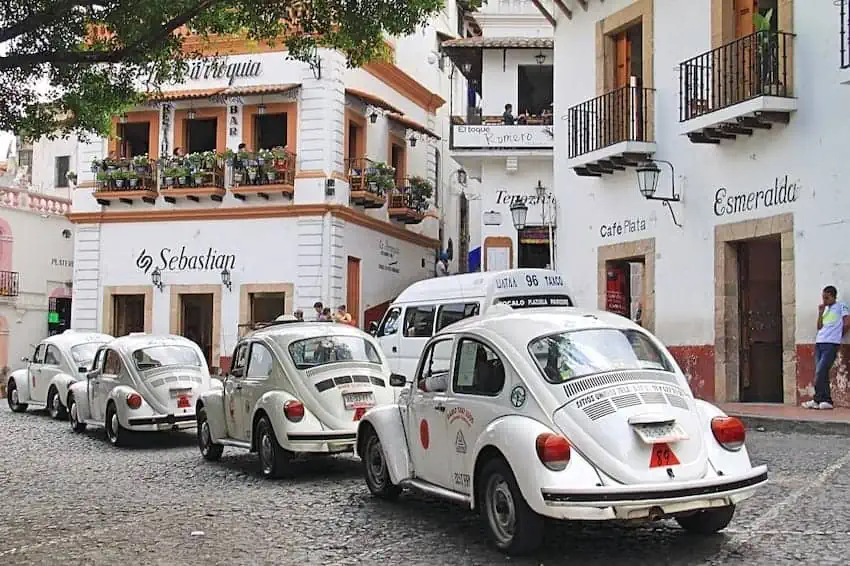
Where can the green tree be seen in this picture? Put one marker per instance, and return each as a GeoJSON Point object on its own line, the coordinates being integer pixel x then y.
{"type": "Point", "coordinates": [84, 56]}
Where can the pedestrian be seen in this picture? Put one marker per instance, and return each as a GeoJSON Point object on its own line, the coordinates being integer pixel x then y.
{"type": "Point", "coordinates": [299, 315]}
{"type": "Point", "coordinates": [343, 316]}
{"type": "Point", "coordinates": [441, 268]}
{"type": "Point", "coordinates": [318, 307]}
{"type": "Point", "coordinates": [833, 323]}
{"type": "Point", "coordinates": [326, 315]}
{"type": "Point", "coordinates": [178, 152]}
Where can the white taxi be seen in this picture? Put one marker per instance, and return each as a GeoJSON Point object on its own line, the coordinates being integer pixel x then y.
{"type": "Point", "coordinates": [295, 389]}
{"type": "Point", "coordinates": [560, 413]}
{"type": "Point", "coordinates": [140, 383]}
{"type": "Point", "coordinates": [56, 363]}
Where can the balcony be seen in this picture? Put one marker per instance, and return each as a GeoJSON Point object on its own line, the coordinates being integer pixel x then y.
{"type": "Point", "coordinates": [193, 177]}
{"type": "Point", "coordinates": [612, 131]}
{"type": "Point", "coordinates": [409, 203]}
{"type": "Point", "coordinates": [491, 136]}
{"type": "Point", "coordinates": [844, 11]}
{"type": "Point", "coordinates": [369, 182]}
{"type": "Point", "coordinates": [737, 88]}
{"type": "Point", "coordinates": [9, 283]}
{"type": "Point", "coordinates": [127, 180]}
{"type": "Point", "coordinates": [262, 174]}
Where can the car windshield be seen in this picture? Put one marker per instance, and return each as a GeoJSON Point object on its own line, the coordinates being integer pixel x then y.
{"type": "Point", "coordinates": [83, 354]}
{"type": "Point", "coordinates": [323, 350]}
{"type": "Point", "coordinates": [159, 356]}
{"type": "Point", "coordinates": [570, 355]}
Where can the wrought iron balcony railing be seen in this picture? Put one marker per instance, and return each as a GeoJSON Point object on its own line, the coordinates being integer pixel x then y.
{"type": "Point", "coordinates": [845, 34]}
{"type": "Point", "coordinates": [752, 66]}
{"type": "Point", "coordinates": [9, 283]}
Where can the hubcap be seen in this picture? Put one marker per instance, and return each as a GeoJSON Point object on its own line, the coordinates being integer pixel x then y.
{"type": "Point", "coordinates": [13, 396]}
{"type": "Point", "coordinates": [113, 427]}
{"type": "Point", "coordinates": [501, 510]}
{"type": "Point", "coordinates": [266, 452]}
{"type": "Point", "coordinates": [205, 437]}
{"type": "Point", "coordinates": [376, 465]}
{"type": "Point", "coordinates": [72, 415]}
{"type": "Point", "coordinates": [54, 405]}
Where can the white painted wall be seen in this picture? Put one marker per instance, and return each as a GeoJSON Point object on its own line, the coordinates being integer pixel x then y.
{"type": "Point", "coordinates": [809, 151]}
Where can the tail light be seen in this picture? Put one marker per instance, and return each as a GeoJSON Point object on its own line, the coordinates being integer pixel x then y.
{"type": "Point", "coordinates": [729, 432]}
{"type": "Point", "coordinates": [294, 410]}
{"type": "Point", "coordinates": [134, 400]}
{"type": "Point", "coordinates": [183, 402]}
{"type": "Point", "coordinates": [553, 451]}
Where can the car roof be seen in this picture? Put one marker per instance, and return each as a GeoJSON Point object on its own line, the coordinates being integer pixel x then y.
{"type": "Point", "coordinates": [134, 341]}
{"type": "Point", "coordinates": [521, 326]}
{"type": "Point", "coordinates": [302, 330]}
{"type": "Point", "coordinates": [466, 285]}
{"type": "Point", "coordinates": [71, 338]}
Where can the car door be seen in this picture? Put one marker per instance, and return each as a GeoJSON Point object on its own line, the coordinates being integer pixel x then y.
{"type": "Point", "coordinates": [258, 376]}
{"type": "Point", "coordinates": [93, 383]}
{"type": "Point", "coordinates": [417, 328]}
{"type": "Point", "coordinates": [388, 337]}
{"type": "Point", "coordinates": [52, 365]}
{"type": "Point", "coordinates": [109, 379]}
{"type": "Point", "coordinates": [34, 370]}
{"type": "Point", "coordinates": [429, 446]}
{"type": "Point", "coordinates": [233, 406]}
{"type": "Point", "coordinates": [477, 398]}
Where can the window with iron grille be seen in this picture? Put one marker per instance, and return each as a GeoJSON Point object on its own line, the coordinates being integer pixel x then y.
{"type": "Point", "coordinates": [63, 164]}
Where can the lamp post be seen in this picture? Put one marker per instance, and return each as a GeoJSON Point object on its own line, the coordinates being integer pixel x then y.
{"type": "Point", "coordinates": [647, 175]}
{"type": "Point", "coordinates": [547, 214]}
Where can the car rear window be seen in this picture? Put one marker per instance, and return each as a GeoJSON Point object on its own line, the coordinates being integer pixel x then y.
{"type": "Point", "coordinates": [570, 355]}
{"type": "Point", "coordinates": [322, 350]}
{"type": "Point", "coordinates": [160, 356]}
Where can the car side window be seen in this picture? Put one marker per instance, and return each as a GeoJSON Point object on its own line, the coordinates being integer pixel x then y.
{"type": "Point", "coordinates": [455, 312]}
{"type": "Point", "coordinates": [51, 357]}
{"type": "Point", "coordinates": [240, 357]}
{"type": "Point", "coordinates": [98, 358]}
{"type": "Point", "coordinates": [390, 324]}
{"type": "Point", "coordinates": [38, 356]}
{"type": "Point", "coordinates": [419, 321]}
{"type": "Point", "coordinates": [478, 370]}
{"type": "Point", "coordinates": [112, 364]}
{"type": "Point", "coordinates": [436, 362]}
{"type": "Point", "coordinates": [260, 362]}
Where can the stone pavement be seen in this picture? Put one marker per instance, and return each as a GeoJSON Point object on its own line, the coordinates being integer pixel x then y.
{"type": "Point", "coordinates": [776, 416]}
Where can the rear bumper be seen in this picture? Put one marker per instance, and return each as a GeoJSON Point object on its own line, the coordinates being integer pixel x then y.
{"type": "Point", "coordinates": [183, 421]}
{"type": "Point", "coordinates": [314, 437]}
{"type": "Point", "coordinates": [677, 497]}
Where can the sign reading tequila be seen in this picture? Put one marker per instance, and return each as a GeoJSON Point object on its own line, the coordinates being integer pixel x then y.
{"type": "Point", "coordinates": [218, 68]}
{"type": "Point", "coordinates": [180, 261]}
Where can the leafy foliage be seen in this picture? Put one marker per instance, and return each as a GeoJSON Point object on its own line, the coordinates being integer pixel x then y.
{"type": "Point", "coordinates": [69, 65]}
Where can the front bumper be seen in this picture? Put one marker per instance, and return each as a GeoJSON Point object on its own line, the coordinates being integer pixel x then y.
{"type": "Point", "coordinates": [628, 502]}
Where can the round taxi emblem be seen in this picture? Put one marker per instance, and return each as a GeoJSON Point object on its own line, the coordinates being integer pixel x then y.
{"type": "Point", "coordinates": [518, 396]}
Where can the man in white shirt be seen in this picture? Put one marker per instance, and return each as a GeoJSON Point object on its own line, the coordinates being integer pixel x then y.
{"type": "Point", "coordinates": [833, 323]}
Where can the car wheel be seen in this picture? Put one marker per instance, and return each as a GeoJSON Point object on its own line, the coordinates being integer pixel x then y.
{"type": "Point", "coordinates": [707, 521]}
{"type": "Point", "coordinates": [514, 528]}
{"type": "Point", "coordinates": [74, 415]}
{"type": "Point", "coordinates": [274, 460]}
{"type": "Point", "coordinates": [117, 434]}
{"type": "Point", "coordinates": [209, 450]}
{"type": "Point", "coordinates": [375, 469]}
{"type": "Point", "coordinates": [54, 405]}
{"type": "Point", "coordinates": [12, 397]}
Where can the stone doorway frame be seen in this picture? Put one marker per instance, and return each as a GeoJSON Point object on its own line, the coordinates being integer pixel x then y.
{"type": "Point", "coordinates": [174, 312]}
{"type": "Point", "coordinates": [726, 296]}
{"type": "Point", "coordinates": [109, 294]}
{"type": "Point", "coordinates": [641, 250]}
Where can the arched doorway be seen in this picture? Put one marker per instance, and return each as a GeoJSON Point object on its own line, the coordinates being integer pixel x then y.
{"type": "Point", "coordinates": [59, 310]}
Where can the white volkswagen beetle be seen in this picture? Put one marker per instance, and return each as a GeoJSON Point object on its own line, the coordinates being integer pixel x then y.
{"type": "Point", "coordinates": [560, 413]}
{"type": "Point", "coordinates": [140, 382]}
{"type": "Point", "coordinates": [295, 388]}
{"type": "Point", "coordinates": [56, 363]}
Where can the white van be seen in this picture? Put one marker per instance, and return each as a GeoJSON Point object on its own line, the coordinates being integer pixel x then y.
{"type": "Point", "coordinates": [428, 306]}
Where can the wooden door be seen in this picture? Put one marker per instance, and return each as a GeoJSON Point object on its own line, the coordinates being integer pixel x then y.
{"type": "Point", "coordinates": [352, 301]}
{"type": "Point", "coordinates": [619, 113]}
{"type": "Point", "coordinates": [744, 76]}
{"type": "Point", "coordinates": [744, 11]}
{"type": "Point", "coordinates": [760, 311]}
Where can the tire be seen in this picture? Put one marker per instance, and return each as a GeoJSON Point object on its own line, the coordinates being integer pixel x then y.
{"type": "Point", "coordinates": [513, 527]}
{"type": "Point", "coordinates": [12, 398]}
{"type": "Point", "coordinates": [115, 433]}
{"type": "Point", "coordinates": [375, 468]}
{"type": "Point", "coordinates": [274, 460]}
{"type": "Point", "coordinates": [54, 405]}
{"type": "Point", "coordinates": [73, 415]}
{"type": "Point", "coordinates": [209, 449]}
{"type": "Point", "coordinates": [707, 521]}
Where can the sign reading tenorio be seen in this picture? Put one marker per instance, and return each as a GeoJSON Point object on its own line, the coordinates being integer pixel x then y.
{"type": "Point", "coordinates": [170, 261]}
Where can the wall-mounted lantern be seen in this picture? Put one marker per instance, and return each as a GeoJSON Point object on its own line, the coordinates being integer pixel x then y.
{"type": "Point", "coordinates": [540, 58]}
{"type": "Point", "coordinates": [261, 108]}
{"type": "Point", "coordinates": [123, 118]}
{"type": "Point", "coordinates": [412, 140]}
{"type": "Point", "coordinates": [373, 117]}
{"type": "Point", "coordinates": [647, 175]}
{"type": "Point", "coordinates": [156, 279]}
{"type": "Point", "coordinates": [467, 67]}
{"type": "Point", "coordinates": [191, 114]}
{"type": "Point", "coordinates": [225, 279]}
{"type": "Point", "coordinates": [519, 213]}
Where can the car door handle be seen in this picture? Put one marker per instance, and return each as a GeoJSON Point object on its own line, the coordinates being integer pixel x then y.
{"type": "Point", "coordinates": [238, 387]}
{"type": "Point", "coordinates": [441, 408]}
{"type": "Point", "coordinates": [395, 349]}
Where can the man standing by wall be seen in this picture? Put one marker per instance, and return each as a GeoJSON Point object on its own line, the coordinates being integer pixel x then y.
{"type": "Point", "coordinates": [833, 323]}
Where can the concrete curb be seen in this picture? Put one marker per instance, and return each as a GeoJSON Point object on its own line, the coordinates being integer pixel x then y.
{"type": "Point", "coordinates": [790, 425]}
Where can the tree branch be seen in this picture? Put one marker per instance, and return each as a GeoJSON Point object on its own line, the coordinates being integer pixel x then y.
{"type": "Point", "coordinates": [36, 20]}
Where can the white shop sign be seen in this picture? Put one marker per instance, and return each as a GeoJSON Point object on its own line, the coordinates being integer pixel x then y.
{"type": "Point", "coordinates": [522, 137]}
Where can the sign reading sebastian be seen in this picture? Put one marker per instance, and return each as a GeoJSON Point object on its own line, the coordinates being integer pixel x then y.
{"type": "Point", "coordinates": [171, 260]}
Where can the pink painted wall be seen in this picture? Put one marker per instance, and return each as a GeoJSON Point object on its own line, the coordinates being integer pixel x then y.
{"type": "Point", "coordinates": [5, 246]}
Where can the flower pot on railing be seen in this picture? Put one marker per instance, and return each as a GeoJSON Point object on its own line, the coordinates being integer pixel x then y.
{"type": "Point", "coordinates": [252, 174]}
{"type": "Point", "coordinates": [237, 175]}
{"type": "Point", "coordinates": [199, 179]}
{"type": "Point", "coordinates": [134, 182]}
{"type": "Point", "coordinates": [169, 181]}
{"type": "Point", "coordinates": [271, 175]}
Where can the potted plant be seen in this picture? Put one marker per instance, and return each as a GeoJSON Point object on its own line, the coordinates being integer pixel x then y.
{"type": "Point", "coordinates": [141, 163]}
{"type": "Point", "coordinates": [252, 173]}
{"type": "Point", "coordinates": [169, 174]}
{"type": "Point", "coordinates": [198, 177]}
{"type": "Point", "coordinates": [271, 174]}
{"type": "Point", "coordinates": [118, 177]}
{"type": "Point", "coordinates": [242, 159]}
{"type": "Point", "coordinates": [132, 179]}
{"type": "Point", "coordinates": [182, 174]}
{"type": "Point", "coordinates": [101, 179]}
{"type": "Point", "coordinates": [96, 164]}
{"type": "Point", "coordinates": [419, 190]}
{"type": "Point", "coordinates": [228, 156]}
{"type": "Point", "coordinates": [238, 175]}
{"type": "Point", "coordinates": [768, 55]}
{"type": "Point", "coordinates": [380, 179]}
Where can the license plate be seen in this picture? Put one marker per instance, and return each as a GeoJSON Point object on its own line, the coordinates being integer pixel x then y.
{"type": "Point", "coordinates": [654, 433]}
{"type": "Point", "coordinates": [177, 393]}
{"type": "Point", "coordinates": [358, 400]}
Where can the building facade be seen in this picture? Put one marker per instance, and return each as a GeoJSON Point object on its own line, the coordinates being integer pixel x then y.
{"type": "Point", "coordinates": [204, 244]}
{"type": "Point", "coordinates": [505, 151]}
{"type": "Point", "coordinates": [35, 280]}
{"type": "Point", "coordinates": [702, 165]}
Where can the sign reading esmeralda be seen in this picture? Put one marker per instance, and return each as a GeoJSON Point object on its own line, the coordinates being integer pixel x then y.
{"type": "Point", "coordinates": [167, 259]}
{"type": "Point", "coordinates": [503, 137]}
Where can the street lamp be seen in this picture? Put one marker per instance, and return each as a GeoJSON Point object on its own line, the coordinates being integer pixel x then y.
{"type": "Point", "coordinates": [225, 279]}
{"type": "Point", "coordinates": [467, 67]}
{"type": "Point", "coordinates": [191, 114]}
{"type": "Point", "coordinates": [156, 279]}
{"type": "Point", "coordinates": [540, 57]}
{"type": "Point", "coordinates": [261, 108]}
{"type": "Point", "coordinates": [373, 117]}
{"type": "Point", "coordinates": [647, 175]}
{"type": "Point", "coordinates": [412, 140]}
{"type": "Point", "coordinates": [519, 213]}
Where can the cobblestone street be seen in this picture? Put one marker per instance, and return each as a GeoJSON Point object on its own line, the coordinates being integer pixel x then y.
{"type": "Point", "coordinates": [73, 499]}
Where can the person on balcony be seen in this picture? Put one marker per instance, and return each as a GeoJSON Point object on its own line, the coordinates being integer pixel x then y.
{"type": "Point", "coordinates": [508, 116]}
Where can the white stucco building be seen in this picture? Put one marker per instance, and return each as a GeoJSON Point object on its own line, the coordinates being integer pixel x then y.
{"type": "Point", "coordinates": [36, 265]}
{"type": "Point", "coordinates": [510, 62]}
{"type": "Point", "coordinates": [748, 122]}
{"type": "Point", "coordinates": [206, 259]}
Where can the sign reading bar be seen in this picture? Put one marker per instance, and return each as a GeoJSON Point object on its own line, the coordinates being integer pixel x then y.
{"type": "Point", "coordinates": [181, 261]}
{"type": "Point", "coordinates": [503, 137]}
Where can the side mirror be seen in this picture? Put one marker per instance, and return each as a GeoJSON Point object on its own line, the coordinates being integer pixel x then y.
{"type": "Point", "coordinates": [397, 380]}
{"type": "Point", "coordinates": [373, 328]}
{"type": "Point", "coordinates": [237, 372]}
{"type": "Point", "coordinates": [25, 359]}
